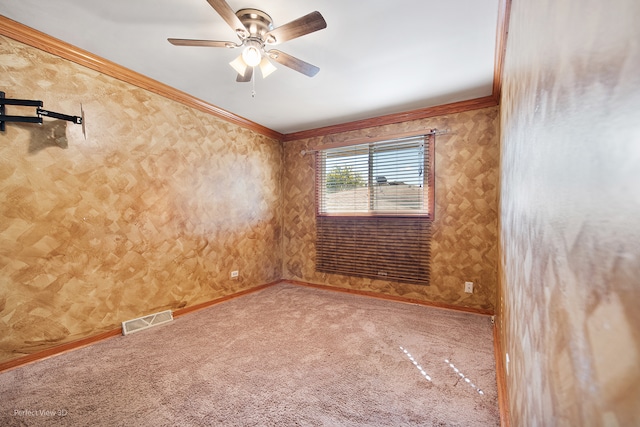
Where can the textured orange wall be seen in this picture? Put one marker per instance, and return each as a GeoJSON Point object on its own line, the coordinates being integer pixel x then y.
{"type": "Point", "coordinates": [152, 211]}
{"type": "Point", "coordinates": [464, 245]}
{"type": "Point", "coordinates": [570, 213]}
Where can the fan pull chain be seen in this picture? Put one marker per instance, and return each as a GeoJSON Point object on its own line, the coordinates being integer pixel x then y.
{"type": "Point", "coordinates": [253, 84]}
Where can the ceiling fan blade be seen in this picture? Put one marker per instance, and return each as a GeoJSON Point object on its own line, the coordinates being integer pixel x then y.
{"type": "Point", "coordinates": [294, 63]}
{"type": "Point", "coordinates": [299, 27]}
{"type": "Point", "coordinates": [246, 77]}
{"type": "Point", "coordinates": [205, 43]}
{"type": "Point", "coordinates": [225, 11]}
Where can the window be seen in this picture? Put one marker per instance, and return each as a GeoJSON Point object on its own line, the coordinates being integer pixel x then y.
{"type": "Point", "coordinates": [380, 178]}
{"type": "Point", "coordinates": [374, 206]}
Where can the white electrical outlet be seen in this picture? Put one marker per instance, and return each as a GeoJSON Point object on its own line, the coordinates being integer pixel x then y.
{"type": "Point", "coordinates": [234, 274]}
{"type": "Point", "coordinates": [468, 287]}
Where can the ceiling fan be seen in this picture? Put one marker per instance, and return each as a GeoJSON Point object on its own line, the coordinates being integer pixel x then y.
{"type": "Point", "coordinates": [255, 30]}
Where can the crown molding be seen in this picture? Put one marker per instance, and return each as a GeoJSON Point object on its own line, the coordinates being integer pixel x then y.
{"type": "Point", "coordinates": [439, 110]}
{"type": "Point", "coordinates": [502, 33]}
{"type": "Point", "coordinates": [42, 41]}
{"type": "Point", "coordinates": [34, 38]}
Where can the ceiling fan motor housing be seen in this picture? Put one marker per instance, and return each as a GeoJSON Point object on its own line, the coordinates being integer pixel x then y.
{"type": "Point", "coordinates": [256, 22]}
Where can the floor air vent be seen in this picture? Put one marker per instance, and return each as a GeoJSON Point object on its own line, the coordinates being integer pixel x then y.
{"type": "Point", "coordinates": [141, 323]}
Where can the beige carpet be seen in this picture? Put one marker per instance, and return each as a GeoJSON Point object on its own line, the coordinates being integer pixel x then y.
{"type": "Point", "coordinates": [284, 356]}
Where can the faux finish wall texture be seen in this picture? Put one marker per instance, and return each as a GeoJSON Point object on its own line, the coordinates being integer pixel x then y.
{"type": "Point", "coordinates": [464, 243]}
{"type": "Point", "coordinates": [570, 213]}
{"type": "Point", "coordinates": [151, 212]}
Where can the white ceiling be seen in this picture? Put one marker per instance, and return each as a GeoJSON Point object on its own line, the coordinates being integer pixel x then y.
{"type": "Point", "coordinates": [375, 57]}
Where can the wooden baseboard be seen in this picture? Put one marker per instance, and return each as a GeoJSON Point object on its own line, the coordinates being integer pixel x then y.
{"type": "Point", "coordinates": [392, 298]}
{"type": "Point", "coordinates": [74, 345]}
{"type": "Point", "coordinates": [197, 307]}
{"type": "Point", "coordinates": [501, 378]}
{"type": "Point", "coordinates": [84, 342]}
{"type": "Point", "coordinates": [59, 349]}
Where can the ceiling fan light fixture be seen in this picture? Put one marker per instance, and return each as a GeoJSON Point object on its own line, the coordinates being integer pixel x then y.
{"type": "Point", "coordinates": [251, 54]}
{"type": "Point", "coordinates": [266, 67]}
{"type": "Point", "coordinates": [255, 30]}
{"type": "Point", "coordinates": [239, 65]}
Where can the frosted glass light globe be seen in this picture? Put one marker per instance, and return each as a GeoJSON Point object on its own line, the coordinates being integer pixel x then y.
{"type": "Point", "coordinates": [251, 56]}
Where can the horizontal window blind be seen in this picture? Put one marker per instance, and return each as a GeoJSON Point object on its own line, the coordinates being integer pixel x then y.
{"type": "Point", "coordinates": [389, 248]}
{"type": "Point", "coordinates": [386, 178]}
{"type": "Point", "coordinates": [374, 206]}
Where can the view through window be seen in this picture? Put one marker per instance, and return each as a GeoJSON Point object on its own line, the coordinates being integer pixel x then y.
{"type": "Point", "coordinates": [387, 177]}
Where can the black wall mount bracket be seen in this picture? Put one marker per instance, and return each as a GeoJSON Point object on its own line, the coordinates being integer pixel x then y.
{"type": "Point", "coordinates": [31, 119]}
